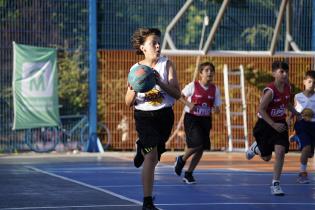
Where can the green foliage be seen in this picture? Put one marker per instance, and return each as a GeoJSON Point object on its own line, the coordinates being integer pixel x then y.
{"type": "Point", "coordinates": [73, 83]}
{"type": "Point", "coordinates": [295, 89]}
{"type": "Point", "coordinates": [260, 78]}
{"type": "Point", "coordinates": [268, 4]}
{"type": "Point", "coordinates": [6, 93]}
{"type": "Point", "coordinates": [194, 21]}
{"type": "Point", "coordinates": [257, 77]}
{"type": "Point", "coordinates": [259, 31]}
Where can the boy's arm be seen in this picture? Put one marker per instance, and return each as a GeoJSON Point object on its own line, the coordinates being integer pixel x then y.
{"type": "Point", "coordinates": [265, 100]}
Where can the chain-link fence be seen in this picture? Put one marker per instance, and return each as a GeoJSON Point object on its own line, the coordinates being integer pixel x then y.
{"type": "Point", "coordinates": [63, 24]}
{"type": "Point", "coordinates": [56, 24]}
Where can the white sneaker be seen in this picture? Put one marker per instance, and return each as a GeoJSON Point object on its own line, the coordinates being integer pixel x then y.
{"type": "Point", "coordinates": [276, 189]}
{"type": "Point", "coordinates": [250, 153]}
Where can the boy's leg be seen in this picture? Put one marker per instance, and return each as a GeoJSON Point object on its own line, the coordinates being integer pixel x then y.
{"type": "Point", "coordinates": [305, 153]}
{"type": "Point", "coordinates": [279, 160]}
{"type": "Point", "coordinates": [304, 131]}
{"type": "Point", "coordinates": [277, 170]}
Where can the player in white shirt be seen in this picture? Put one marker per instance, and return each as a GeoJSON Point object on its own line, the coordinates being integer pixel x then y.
{"type": "Point", "coordinates": [305, 128]}
{"type": "Point", "coordinates": [153, 112]}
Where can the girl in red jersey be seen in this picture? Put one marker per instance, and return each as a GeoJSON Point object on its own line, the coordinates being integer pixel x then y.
{"type": "Point", "coordinates": [271, 129]}
{"type": "Point", "coordinates": [203, 98]}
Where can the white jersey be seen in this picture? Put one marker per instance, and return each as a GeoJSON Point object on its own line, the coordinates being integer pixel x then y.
{"type": "Point", "coordinates": [189, 90]}
{"type": "Point", "coordinates": [302, 102]}
{"type": "Point", "coordinates": [155, 98]}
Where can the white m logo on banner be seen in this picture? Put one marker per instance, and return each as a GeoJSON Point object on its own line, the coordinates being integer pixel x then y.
{"type": "Point", "coordinates": [37, 79]}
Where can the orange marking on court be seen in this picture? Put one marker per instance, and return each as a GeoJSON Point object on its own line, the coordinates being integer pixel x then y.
{"type": "Point", "coordinates": [237, 161]}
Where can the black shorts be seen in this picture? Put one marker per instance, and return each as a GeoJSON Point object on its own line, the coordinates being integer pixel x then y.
{"type": "Point", "coordinates": [197, 131]}
{"type": "Point", "coordinates": [154, 128]}
{"type": "Point", "coordinates": [267, 137]}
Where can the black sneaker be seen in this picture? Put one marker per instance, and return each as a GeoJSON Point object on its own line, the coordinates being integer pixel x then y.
{"type": "Point", "coordinates": [149, 207]}
{"type": "Point", "coordinates": [138, 159]}
{"type": "Point", "coordinates": [188, 178]}
{"type": "Point", "coordinates": [179, 165]}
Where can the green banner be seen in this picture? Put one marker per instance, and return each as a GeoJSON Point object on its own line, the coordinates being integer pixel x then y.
{"type": "Point", "coordinates": [35, 87]}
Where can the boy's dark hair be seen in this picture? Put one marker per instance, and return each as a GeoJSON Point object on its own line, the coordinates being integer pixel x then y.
{"type": "Point", "coordinates": [204, 64]}
{"type": "Point", "coordinates": [310, 73]}
{"type": "Point", "coordinates": [280, 65]}
{"type": "Point", "coordinates": [139, 36]}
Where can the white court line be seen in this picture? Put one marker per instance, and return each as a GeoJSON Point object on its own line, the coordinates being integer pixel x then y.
{"type": "Point", "coordinates": [203, 185]}
{"type": "Point", "coordinates": [86, 185]}
{"type": "Point", "coordinates": [121, 170]}
{"type": "Point", "coordinates": [92, 168]}
{"type": "Point", "coordinates": [137, 202]}
{"type": "Point", "coordinates": [161, 204]}
{"type": "Point", "coordinates": [210, 204]}
{"type": "Point", "coordinates": [66, 207]}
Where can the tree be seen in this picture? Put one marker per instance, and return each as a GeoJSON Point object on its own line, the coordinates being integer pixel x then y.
{"type": "Point", "coordinates": [73, 83]}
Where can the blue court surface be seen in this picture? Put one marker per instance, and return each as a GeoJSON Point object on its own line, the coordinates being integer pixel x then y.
{"type": "Point", "coordinates": [109, 182]}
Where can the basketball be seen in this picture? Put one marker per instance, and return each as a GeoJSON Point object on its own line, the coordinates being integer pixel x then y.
{"type": "Point", "coordinates": [307, 114]}
{"type": "Point", "coordinates": [141, 78]}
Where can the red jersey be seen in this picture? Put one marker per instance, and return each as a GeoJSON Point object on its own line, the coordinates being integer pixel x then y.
{"type": "Point", "coordinates": [276, 108]}
{"type": "Point", "coordinates": [203, 100]}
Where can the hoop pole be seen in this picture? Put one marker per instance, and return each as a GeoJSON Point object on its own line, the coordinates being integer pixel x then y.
{"type": "Point", "coordinates": [92, 68]}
